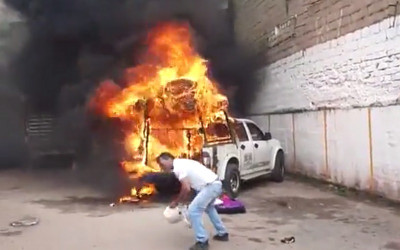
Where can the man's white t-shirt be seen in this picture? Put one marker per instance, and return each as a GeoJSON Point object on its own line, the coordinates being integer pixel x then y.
{"type": "Point", "coordinates": [197, 174]}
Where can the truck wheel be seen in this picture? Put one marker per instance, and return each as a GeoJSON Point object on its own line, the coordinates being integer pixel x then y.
{"type": "Point", "coordinates": [278, 174]}
{"type": "Point", "coordinates": [232, 180]}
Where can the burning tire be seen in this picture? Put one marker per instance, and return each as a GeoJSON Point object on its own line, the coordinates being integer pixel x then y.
{"type": "Point", "coordinates": [232, 180]}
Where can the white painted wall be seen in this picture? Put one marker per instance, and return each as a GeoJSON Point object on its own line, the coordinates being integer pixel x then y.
{"type": "Point", "coordinates": [358, 148]}
{"type": "Point", "coordinates": [351, 143]}
{"type": "Point", "coordinates": [309, 142]}
{"type": "Point", "coordinates": [386, 150]}
{"type": "Point", "coordinates": [357, 70]}
{"type": "Point", "coordinates": [348, 147]}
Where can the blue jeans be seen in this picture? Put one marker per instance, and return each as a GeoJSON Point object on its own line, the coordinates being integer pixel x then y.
{"type": "Point", "coordinates": [204, 202]}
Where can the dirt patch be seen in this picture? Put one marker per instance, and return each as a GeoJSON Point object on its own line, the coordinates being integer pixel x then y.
{"type": "Point", "coordinates": [258, 240]}
{"type": "Point", "coordinates": [277, 222]}
{"type": "Point", "coordinates": [350, 193]}
{"type": "Point", "coordinates": [224, 219]}
{"type": "Point", "coordinates": [392, 245]}
{"type": "Point", "coordinates": [300, 208]}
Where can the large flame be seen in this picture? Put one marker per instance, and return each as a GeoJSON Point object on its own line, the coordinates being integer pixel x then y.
{"type": "Point", "coordinates": [167, 98]}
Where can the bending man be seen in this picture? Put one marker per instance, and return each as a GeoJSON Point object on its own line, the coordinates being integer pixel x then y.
{"type": "Point", "coordinates": [208, 187]}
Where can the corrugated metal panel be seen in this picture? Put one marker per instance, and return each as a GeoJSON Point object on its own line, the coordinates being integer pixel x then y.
{"type": "Point", "coordinates": [39, 129]}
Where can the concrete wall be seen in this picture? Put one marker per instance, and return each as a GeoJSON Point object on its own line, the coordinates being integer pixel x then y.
{"type": "Point", "coordinates": [356, 148]}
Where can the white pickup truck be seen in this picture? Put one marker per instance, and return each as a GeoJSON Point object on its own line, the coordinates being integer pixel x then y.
{"type": "Point", "coordinates": [245, 153]}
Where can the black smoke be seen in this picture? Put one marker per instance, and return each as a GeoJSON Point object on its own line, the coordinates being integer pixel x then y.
{"type": "Point", "coordinates": [76, 41]}
{"type": "Point", "coordinates": [74, 44]}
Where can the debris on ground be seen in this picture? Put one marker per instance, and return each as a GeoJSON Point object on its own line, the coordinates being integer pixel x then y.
{"type": "Point", "coordinates": [112, 204]}
{"type": "Point", "coordinates": [25, 222]}
{"type": "Point", "coordinates": [340, 190]}
{"type": "Point", "coordinates": [288, 240]}
{"type": "Point", "coordinates": [284, 204]}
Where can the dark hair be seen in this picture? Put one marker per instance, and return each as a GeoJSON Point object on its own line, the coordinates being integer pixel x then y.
{"type": "Point", "coordinates": [165, 156]}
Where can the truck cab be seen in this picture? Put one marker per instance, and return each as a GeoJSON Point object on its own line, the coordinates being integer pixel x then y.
{"type": "Point", "coordinates": [244, 153]}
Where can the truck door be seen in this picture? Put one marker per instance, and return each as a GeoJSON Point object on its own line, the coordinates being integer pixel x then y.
{"type": "Point", "coordinates": [261, 148]}
{"type": "Point", "coordinates": [246, 150]}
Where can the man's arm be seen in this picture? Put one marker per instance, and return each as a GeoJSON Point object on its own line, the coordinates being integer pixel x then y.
{"type": "Point", "coordinates": [183, 194]}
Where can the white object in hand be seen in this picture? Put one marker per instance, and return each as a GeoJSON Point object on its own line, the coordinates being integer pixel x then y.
{"type": "Point", "coordinates": [173, 215]}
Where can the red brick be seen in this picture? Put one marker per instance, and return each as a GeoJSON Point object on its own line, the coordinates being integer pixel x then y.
{"type": "Point", "coordinates": [350, 9]}
{"type": "Point", "coordinates": [369, 2]}
{"type": "Point", "coordinates": [333, 16]}
{"type": "Point", "coordinates": [344, 21]}
{"type": "Point", "coordinates": [296, 7]}
{"type": "Point", "coordinates": [377, 6]}
{"type": "Point", "coordinates": [379, 16]}
{"type": "Point", "coordinates": [360, 14]}
{"type": "Point", "coordinates": [307, 41]}
{"type": "Point", "coordinates": [311, 2]}
{"type": "Point", "coordinates": [302, 19]}
{"type": "Point", "coordinates": [337, 6]}
{"type": "Point", "coordinates": [331, 34]}
{"type": "Point", "coordinates": [394, 9]}
{"type": "Point", "coordinates": [317, 21]}
{"type": "Point", "coordinates": [364, 22]}
{"type": "Point", "coordinates": [300, 30]}
{"type": "Point", "coordinates": [348, 28]}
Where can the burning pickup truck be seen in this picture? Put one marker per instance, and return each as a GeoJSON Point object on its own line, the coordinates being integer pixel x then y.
{"type": "Point", "coordinates": [171, 103]}
{"type": "Point", "coordinates": [236, 149]}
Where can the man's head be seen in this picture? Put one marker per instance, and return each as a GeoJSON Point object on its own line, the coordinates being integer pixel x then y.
{"type": "Point", "coordinates": [165, 160]}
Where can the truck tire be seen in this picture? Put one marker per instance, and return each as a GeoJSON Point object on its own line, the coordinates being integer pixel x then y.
{"type": "Point", "coordinates": [278, 173]}
{"type": "Point", "coordinates": [232, 180]}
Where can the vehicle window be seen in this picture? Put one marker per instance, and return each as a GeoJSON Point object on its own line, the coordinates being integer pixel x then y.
{"type": "Point", "coordinates": [241, 131]}
{"type": "Point", "coordinates": [255, 132]}
{"type": "Point", "coordinates": [218, 130]}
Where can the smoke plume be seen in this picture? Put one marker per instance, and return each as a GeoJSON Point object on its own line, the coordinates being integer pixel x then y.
{"type": "Point", "coordinates": [74, 44]}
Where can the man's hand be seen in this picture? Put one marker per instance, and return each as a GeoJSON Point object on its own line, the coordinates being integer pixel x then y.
{"type": "Point", "coordinates": [173, 204]}
{"type": "Point", "coordinates": [185, 190]}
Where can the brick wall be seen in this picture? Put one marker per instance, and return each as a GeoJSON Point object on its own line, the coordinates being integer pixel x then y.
{"type": "Point", "coordinates": [278, 28]}
{"type": "Point", "coordinates": [359, 69]}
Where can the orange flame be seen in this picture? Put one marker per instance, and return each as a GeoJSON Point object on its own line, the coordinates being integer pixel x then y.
{"type": "Point", "coordinates": [169, 91]}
